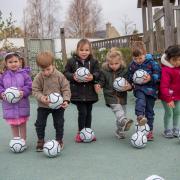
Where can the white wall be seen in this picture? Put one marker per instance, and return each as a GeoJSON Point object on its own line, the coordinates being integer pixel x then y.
{"type": "Point", "coordinates": [17, 42]}
{"type": "Point", "coordinates": [70, 44]}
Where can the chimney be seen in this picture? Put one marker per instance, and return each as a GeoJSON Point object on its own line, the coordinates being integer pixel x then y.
{"type": "Point", "coordinates": [108, 29]}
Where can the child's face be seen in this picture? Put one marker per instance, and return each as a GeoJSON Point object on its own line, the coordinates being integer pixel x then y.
{"type": "Point", "coordinates": [175, 62]}
{"type": "Point", "coordinates": [48, 70]}
{"type": "Point", "coordinates": [13, 63]}
{"type": "Point", "coordinates": [83, 51]}
{"type": "Point", "coordinates": [139, 59]}
{"type": "Point", "coordinates": [114, 63]}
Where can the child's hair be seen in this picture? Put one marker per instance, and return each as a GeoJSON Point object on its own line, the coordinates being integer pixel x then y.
{"type": "Point", "coordinates": [113, 49]}
{"type": "Point", "coordinates": [45, 59]}
{"type": "Point", "coordinates": [138, 48]}
{"type": "Point", "coordinates": [22, 61]}
{"type": "Point", "coordinates": [172, 52]}
{"type": "Point", "coordinates": [113, 53]}
{"type": "Point", "coordinates": [81, 43]}
{"type": "Point", "coordinates": [9, 56]}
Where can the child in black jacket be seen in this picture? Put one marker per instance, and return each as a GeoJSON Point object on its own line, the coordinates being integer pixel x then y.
{"type": "Point", "coordinates": [83, 93]}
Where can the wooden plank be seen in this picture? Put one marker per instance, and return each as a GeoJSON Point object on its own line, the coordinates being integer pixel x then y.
{"type": "Point", "coordinates": [158, 31]}
{"type": "Point", "coordinates": [169, 34]}
{"type": "Point", "coordinates": [154, 3]}
{"type": "Point", "coordinates": [144, 19]}
{"type": "Point", "coordinates": [176, 8]}
{"type": "Point", "coordinates": [172, 18]}
{"type": "Point", "coordinates": [150, 25]}
{"type": "Point", "coordinates": [178, 23]}
{"type": "Point", "coordinates": [158, 15]}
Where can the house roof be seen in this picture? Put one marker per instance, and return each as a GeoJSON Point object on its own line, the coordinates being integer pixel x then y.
{"type": "Point", "coordinates": [154, 2]}
{"type": "Point", "coordinates": [100, 34]}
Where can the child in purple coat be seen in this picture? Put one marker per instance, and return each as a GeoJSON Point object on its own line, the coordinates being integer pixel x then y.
{"type": "Point", "coordinates": [16, 75]}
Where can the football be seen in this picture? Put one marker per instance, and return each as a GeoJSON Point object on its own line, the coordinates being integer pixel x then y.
{"type": "Point", "coordinates": [138, 140]}
{"type": "Point", "coordinates": [51, 148]}
{"type": "Point", "coordinates": [154, 177]}
{"type": "Point", "coordinates": [144, 129]}
{"type": "Point", "coordinates": [55, 100]}
{"type": "Point", "coordinates": [81, 74]}
{"type": "Point", "coordinates": [87, 135]}
{"type": "Point", "coordinates": [12, 95]}
{"type": "Point", "coordinates": [138, 76]}
{"type": "Point", "coordinates": [119, 83]}
{"type": "Point", "coordinates": [17, 145]}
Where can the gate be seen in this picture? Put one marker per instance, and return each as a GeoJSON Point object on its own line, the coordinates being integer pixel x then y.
{"type": "Point", "coordinates": [33, 47]}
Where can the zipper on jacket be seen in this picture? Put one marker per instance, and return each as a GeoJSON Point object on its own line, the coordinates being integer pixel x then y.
{"type": "Point", "coordinates": [77, 65]}
{"type": "Point", "coordinates": [114, 77]}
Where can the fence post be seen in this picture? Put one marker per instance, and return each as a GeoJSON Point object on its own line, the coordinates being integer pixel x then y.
{"type": "Point", "coordinates": [63, 46]}
{"type": "Point", "coordinates": [150, 25]}
{"type": "Point", "coordinates": [178, 23]}
{"type": "Point", "coordinates": [159, 42]}
{"type": "Point", "coordinates": [168, 25]}
{"type": "Point", "coordinates": [144, 20]}
{"type": "Point", "coordinates": [26, 50]}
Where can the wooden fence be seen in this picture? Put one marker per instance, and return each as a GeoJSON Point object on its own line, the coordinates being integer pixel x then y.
{"type": "Point", "coordinates": [167, 26]}
{"type": "Point", "coordinates": [122, 41]}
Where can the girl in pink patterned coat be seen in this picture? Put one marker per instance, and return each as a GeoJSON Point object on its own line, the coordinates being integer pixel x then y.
{"type": "Point", "coordinates": [170, 90]}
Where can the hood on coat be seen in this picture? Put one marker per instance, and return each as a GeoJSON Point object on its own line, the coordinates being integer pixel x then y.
{"type": "Point", "coordinates": [23, 70]}
{"type": "Point", "coordinates": [105, 66]}
{"type": "Point", "coordinates": [165, 62]}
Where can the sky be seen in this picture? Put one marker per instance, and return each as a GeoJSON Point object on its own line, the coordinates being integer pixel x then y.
{"type": "Point", "coordinates": [113, 11]}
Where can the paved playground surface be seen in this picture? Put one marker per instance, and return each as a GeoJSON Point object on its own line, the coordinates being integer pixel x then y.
{"type": "Point", "coordinates": [106, 159]}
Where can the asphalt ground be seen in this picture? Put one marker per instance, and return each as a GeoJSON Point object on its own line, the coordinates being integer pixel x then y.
{"type": "Point", "coordinates": [106, 159]}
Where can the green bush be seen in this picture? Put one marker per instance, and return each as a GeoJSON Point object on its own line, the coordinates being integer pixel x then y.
{"type": "Point", "coordinates": [100, 55]}
{"type": "Point", "coordinates": [59, 65]}
{"type": "Point", "coordinates": [126, 54]}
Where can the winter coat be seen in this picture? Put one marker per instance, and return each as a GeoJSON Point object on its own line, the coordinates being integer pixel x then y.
{"type": "Point", "coordinates": [153, 69]}
{"type": "Point", "coordinates": [23, 82]}
{"type": "Point", "coordinates": [83, 91]}
{"type": "Point", "coordinates": [56, 82]}
{"type": "Point", "coordinates": [170, 82]}
{"type": "Point", "coordinates": [106, 81]}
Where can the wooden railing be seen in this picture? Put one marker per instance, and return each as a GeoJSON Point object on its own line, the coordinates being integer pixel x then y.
{"type": "Point", "coordinates": [122, 41]}
{"type": "Point", "coordinates": [168, 32]}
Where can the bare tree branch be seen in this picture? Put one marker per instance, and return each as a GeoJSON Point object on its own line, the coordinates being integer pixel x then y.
{"type": "Point", "coordinates": [41, 18]}
{"type": "Point", "coordinates": [127, 25]}
{"type": "Point", "coordinates": [83, 18]}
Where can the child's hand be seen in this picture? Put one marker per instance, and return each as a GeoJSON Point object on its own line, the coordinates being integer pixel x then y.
{"type": "Point", "coordinates": [45, 100]}
{"type": "Point", "coordinates": [127, 86]}
{"type": "Point", "coordinates": [171, 104]}
{"type": "Point", "coordinates": [64, 104]}
{"type": "Point", "coordinates": [74, 77]}
{"type": "Point", "coordinates": [3, 96]}
{"type": "Point", "coordinates": [147, 78]}
{"type": "Point", "coordinates": [21, 94]}
{"type": "Point", "coordinates": [97, 88]}
{"type": "Point", "coordinates": [89, 78]}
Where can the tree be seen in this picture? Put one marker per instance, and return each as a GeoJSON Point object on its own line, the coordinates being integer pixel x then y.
{"type": "Point", "coordinates": [41, 18]}
{"type": "Point", "coordinates": [127, 25]}
{"type": "Point", "coordinates": [83, 18]}
{"type": "Point", "coordinates": [8, 28]}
